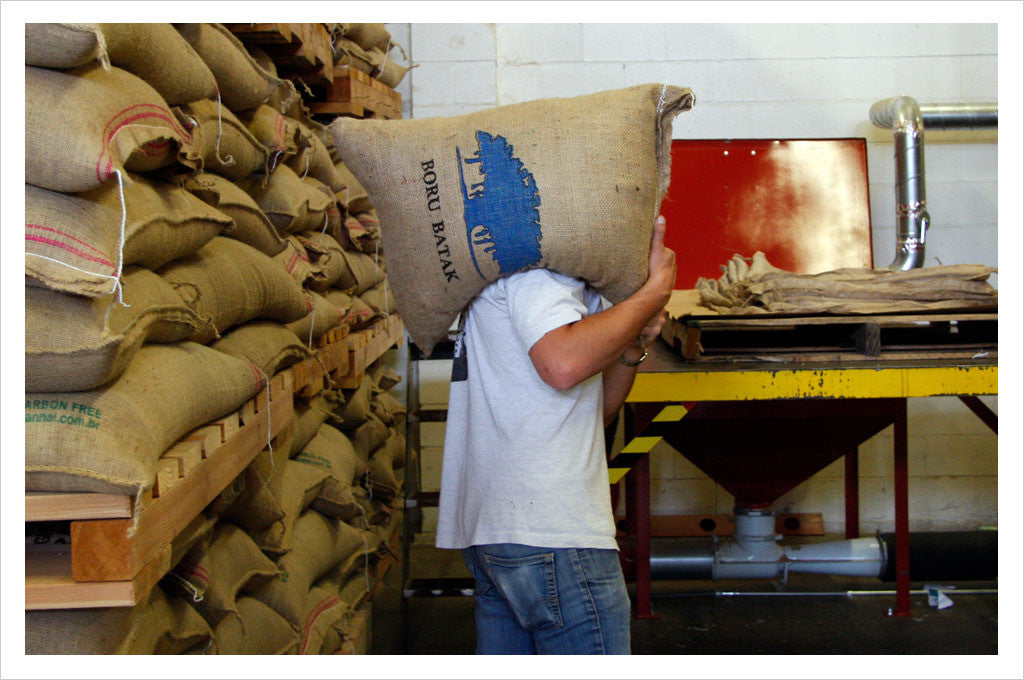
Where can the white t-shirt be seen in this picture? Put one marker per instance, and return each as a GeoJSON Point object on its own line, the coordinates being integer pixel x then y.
{"type": "Point", "coordinates": [523, 462]}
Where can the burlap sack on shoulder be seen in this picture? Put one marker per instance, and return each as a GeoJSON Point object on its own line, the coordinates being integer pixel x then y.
{"type": "Point", "coordinates": [85, 125]}
{"type": "Point", "coordinates": [323, 316]}
{"type": "Point", "coordinates": [267, 344]}
{"type": "Point", "coordinates": [154, 52]}
{"type": "Point", "coordinates": [109, 439]}
{"type": "Point", "coordinates": [251, 225]}
{"type": "Point", "coordinates": [573, 185]}
{"type": "Point", "coordinates": [255, 629]}
{"type": "Point", "coordinates": [332, 451]}
{"type": "Point", "coordinates": [236, 283]}
{"type": "Point", "coordinates": [73, 242]}
{"type": "Point", "coordinates": [224, 143]}
{"type": "Point", "coordinates": [75, 343]}
{"type": "Point", "coordinates": [157, 625]}
{"type": "Point", "coordinates": [217, 570]}
{"type": "Point", "coordinates": [242, 83]}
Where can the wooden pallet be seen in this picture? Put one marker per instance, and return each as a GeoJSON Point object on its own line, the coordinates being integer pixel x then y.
{"type": "Point", "coordinates": [121, 546]}
{"type": "Point", "coordinates": [331, 361]}
{"type": "Point", "coordinates": [302, 51]}
{"type": "Point", "coordinates": [353, 93]}
{"type": "Point", "coordinates": [951, 335]}
{"type": "Point", "coordinates": [366, 346]}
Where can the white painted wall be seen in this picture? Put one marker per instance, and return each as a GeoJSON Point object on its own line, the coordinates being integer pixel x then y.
{"type": "Point", "coordinates": [766, 81]}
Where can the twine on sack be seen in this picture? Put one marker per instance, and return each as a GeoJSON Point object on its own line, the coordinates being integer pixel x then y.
{"type": "Point", "coordinates": [230, 160]}
{"type": "Point", "coordinates": [384, 63]}
{"type": "Point", "coordinates": [196, 596]}
{"type": "Point", "coordinates": [306, 171]}
{"type": "Point", "coordinates": [312, 324]}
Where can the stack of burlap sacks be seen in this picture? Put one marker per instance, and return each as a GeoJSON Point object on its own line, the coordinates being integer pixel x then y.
{"type": "Point", "coordinates": [190, 231]}
{"type": "Point", "coordinates": [367, 48]}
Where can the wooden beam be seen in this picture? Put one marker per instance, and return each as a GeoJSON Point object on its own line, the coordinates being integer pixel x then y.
{"type": "Point", "coordinates": [49, 585]}
{"type": "Point", "coordinates": [44, 506]}
{"type": "Point", "coordinates": [116, 550]}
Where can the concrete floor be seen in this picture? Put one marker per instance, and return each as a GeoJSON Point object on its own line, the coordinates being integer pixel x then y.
{"type": "Point", "coordinates": [694, 620]}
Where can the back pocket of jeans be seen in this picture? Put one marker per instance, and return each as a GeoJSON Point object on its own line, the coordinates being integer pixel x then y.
{"type": "Point", "coordinates": [528, 585]}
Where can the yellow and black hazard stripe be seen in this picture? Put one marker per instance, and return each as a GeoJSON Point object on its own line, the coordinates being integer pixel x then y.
{"type": "Point", "coordinates": [640, 445]}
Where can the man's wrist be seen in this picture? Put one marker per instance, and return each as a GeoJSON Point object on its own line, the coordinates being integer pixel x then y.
{"type": "Point", "coordinates": [633, 356]}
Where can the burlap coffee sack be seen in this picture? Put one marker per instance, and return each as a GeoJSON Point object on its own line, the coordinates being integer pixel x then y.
{"type": "Point", "coordinates": [332, 451]}
{"type": "Point", "coordinates": [363, 273]}
{"type": "Point", "coordinates": [73, 241]}
{"type": "Point", "coordinates": [353, 197]}
{"type": "Point", "coordinates": [320, 544]}
{"type": "Point", "coordinates": [219, 569]}
{"type": "Point", "coordinates": [573, 185]}
{"type": "Point", "coordinates": [224, 143]}
{"type": "Point", "coordinates": [297, 262]}
{"type": "Point", "coordinates": [323, 316]}
{"type": "Point", "coordinates": [368, 220]}
{"type": "Point", "coordinates": [333, 264]}
{"type": "Point", "coordinates": [255, 629]}
{"type": "Point", "coordinates": [388, 457]}
{"type": "Point", "coordinates": [356, 409]}
{"type": "Point", "coordinates": [279, 135]}
{"type": "Point", "coordinates": [385, 68]}
{"type": "Point", "coordinates": [352, 235]}
{"type": "Point", "coordinates": [310, 415]}
{"type": "Point", "coordinates": [314, 159]}
{"type": "Point", "coordinates": [243, 84]}
{"type": "Point", "coordinates": [197, 530]}
{"type": "Point", "coordinates": [320, 201]}
{"type": "Point", "coordinates": [367, 36]}
{"type": "Point", "coordinates": [75, 343]}
{"type": "Point", "coordinates": [154, 52]}
{"type": "Point", "coordinates": [348, 53]}
{"type": "Point", "coordinates": [236, 283]}
{"type": "Point", "coordinates": [267, 344]}
{"type": "Point", "coordinates": [255, 507]}
{"type": "Point", "coordinates": [158, 625]}
{"type": "Point", "coordinates": [285, 199]}
{"type": "Point", "coordinates": [294, 487]}
{"type": "Point", "coordinates": [386, 407]}
{"type": "Point", "coordinates": [360, 315]}
{"type": "Point", "coordinates": [109, 439]}
{"type": "Point", "coordinates": [380, 299]}
{"type": "Point", "coordinates": [251, 225]}
{"type": "Point", "coordinates": [369, 436]}
{"type": "Point", "coordinates": [83, 126]}
{"type": "Point", "coordinates": [384, 376]}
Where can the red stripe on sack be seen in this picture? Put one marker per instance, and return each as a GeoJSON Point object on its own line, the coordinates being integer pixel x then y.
{"type": "Point", "coordinates": [292, 262]}
{"type": "Point", "coordinates": [319, 609]}
{"type": "Point", "coordinates": [169, 117]}
{"type": "Point", "coordinates": [280, 132]}
{"type": "Point", "coordinates": [258, 373]}
{"type": "Point", "coordinates": [66, 235]}
{"type": "Point", "coordinates": [195, 572]}
{"type": "Point", "coordinates": [154, 149]}
{"type": "Point", "coordinates": [73, 251]}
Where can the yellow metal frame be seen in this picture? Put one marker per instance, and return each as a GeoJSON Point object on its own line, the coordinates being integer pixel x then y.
{"type": "Point", "coordinates": [809, 383]}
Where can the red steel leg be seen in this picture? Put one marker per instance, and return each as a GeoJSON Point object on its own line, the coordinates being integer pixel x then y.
{"type": "Point", "coordinates": [852, 495]}
{"type": "Point", "coordinates": [640, 478]}
{"type": "Point", "coordinates": [902, 513]}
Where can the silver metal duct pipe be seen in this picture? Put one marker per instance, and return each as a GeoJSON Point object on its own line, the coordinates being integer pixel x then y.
{"type": "Point", "coordinates": [908, 120]}
{"type": "Point", "coordinates": [754, 552]}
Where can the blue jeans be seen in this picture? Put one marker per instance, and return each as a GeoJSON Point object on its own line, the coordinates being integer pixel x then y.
{"type": "Point", "coordinates": [548, 600]}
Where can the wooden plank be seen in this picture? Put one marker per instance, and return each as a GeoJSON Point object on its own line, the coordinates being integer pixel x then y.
{"type": "Point", "coordinates": [116, 550]}
{"type": "Point", "coordinates": [228, 426]}
{"type": "Point", "coordinates": [262, 34]}
{"type": "Point", "coordinates": [337, 108]}
{"type": "Point", "coordinates": [247, 413]}
{"type": "Point", "coordinates": [188, 455]}
{"type": "Point", "coordinates": [209, 436]}
{"type": "Point", "coordinates": [166, 476]}
{"type": "Point", "coordinates": [49, 585]}
{"type": "Point", "coordinates": [45, 506]}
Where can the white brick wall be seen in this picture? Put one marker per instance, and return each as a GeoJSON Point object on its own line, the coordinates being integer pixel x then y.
{"type": "Point", "coordinates": [786, 81]}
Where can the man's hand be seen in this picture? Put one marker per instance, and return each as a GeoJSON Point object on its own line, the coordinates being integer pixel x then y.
{"type": "Point", "coordinates": [661, 265]}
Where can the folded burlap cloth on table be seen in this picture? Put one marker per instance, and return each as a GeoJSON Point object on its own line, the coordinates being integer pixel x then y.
{"type": "Point", "coordinates": [754, 286]}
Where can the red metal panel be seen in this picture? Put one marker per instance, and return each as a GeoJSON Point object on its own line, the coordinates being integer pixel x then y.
{"type": "Point", "coordinates": [803, 202]}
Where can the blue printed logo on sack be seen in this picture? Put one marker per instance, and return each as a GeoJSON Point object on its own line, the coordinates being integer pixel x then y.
{"type": "Point", "coordinates": [501, 206]}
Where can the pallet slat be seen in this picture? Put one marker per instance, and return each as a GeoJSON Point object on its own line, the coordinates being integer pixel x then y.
{"type": "Point", "coordinates": [44, 506]}
{"type": "Point", "coordinates": [49, 584]}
